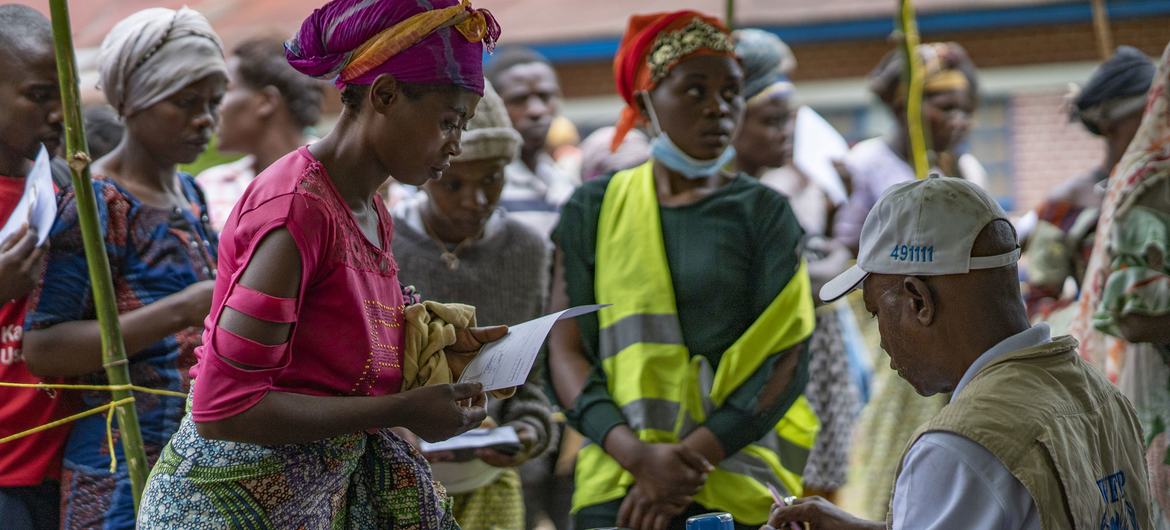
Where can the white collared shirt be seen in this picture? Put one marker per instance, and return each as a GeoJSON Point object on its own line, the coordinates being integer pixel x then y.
{"type": "Point", "coordinates": [535, 197]}
{"type": "Point", "coordinates": [949, 481]}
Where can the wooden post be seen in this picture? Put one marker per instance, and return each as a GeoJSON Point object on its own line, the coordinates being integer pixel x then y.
{"type": "Point", "coordinates": [916, 128]}
{"type": "Point", "coordinates": [77, 156]}
{"type": "Point", "coordinates": [1101, 29]}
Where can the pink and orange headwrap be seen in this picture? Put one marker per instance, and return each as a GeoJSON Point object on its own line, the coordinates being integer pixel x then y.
{"type": "Point", "coordinates": [424, 42]}
{"type": "Point", "coordinates": [652, 45]}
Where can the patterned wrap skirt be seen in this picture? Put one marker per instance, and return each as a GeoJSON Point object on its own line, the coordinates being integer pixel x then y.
{"type": "Point", "coordinates": [357, 481]}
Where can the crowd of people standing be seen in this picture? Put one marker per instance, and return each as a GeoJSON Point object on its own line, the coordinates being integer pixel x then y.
{"type": "Point", "coordinates": [730, 370]}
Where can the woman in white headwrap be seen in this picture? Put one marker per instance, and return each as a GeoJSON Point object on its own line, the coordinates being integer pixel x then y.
{"type": "Point", "coordinates": [163, 71]}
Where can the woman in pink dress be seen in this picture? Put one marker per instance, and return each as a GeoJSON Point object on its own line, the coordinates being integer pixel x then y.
{"type": "Point", "coordinates": [299, 379]}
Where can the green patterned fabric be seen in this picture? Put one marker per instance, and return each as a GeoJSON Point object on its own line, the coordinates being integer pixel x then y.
{"type": "Point", "coordinates": [497, 506]}
{"type": "Point", "coordinates": [357, 481]}
{"type": "Point", "coordinates": [1139, 283]}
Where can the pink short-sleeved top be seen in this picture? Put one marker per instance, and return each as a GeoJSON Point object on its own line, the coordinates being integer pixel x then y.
{"type": "Point", "coordinates": [347, 333]}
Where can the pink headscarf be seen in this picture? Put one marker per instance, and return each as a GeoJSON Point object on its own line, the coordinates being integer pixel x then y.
{"type": "Point", "coordinates": [352, 42]}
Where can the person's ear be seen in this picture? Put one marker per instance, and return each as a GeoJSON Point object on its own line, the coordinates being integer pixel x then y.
{"type": "Point", "coordinates": [270, 101]}
{"type": "Point", "coordinates": [384, 92]}
{"type": "Point", "coordinates": [920, 298]}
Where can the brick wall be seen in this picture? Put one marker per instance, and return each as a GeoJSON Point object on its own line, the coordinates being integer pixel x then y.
{"type": "Point", "coordinates": [1008, 47]}
{"type": "Point", "coordinates": [586, 79]}
{"type": "Point", "coordinates": [989, 48]}
{"type": "Point", "coordinates": [1047, 148]}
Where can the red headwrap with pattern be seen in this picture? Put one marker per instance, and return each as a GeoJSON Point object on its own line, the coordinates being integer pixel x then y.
{"type": "Point", "coordinates": [652, 45]}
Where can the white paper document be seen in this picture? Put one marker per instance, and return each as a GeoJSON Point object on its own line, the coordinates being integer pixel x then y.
{"type": "Point", "coordinates": [505, 363]}
{"type": "Point", "coordinates": [38, 205]}
{"type": "Point", "coordinates": [474, 439]}
{"type": "Point", "coordinates": [815, 146]}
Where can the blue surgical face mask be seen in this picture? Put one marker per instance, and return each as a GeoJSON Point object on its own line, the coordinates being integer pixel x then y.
{"type": "Point", "coordinates": [670, 155]}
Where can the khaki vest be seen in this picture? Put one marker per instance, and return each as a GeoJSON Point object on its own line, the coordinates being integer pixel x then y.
{"type": "Point", "coordinates": [1063, 431]}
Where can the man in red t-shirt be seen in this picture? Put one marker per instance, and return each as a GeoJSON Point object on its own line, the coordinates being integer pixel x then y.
{"type": "Point", "coordinates": [30, 115]}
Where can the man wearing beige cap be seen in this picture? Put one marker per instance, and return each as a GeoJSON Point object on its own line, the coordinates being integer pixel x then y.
{"type": "Point", "coordinates": [1032, 437]}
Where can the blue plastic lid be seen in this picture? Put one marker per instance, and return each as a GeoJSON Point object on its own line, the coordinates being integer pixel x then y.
{"type": "Point", "coordinates": [711, 521]}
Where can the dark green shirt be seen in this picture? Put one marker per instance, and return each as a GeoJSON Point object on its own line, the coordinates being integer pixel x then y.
{"type": "Point", "coordinates": [730, 255]}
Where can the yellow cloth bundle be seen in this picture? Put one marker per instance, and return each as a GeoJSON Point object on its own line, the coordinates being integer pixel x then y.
{"type": "Point", "coordinates": [430, 329]}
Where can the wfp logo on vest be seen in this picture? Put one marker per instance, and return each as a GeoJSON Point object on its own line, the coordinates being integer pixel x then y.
{"type": "Point", "coordinates": [1119, 512]}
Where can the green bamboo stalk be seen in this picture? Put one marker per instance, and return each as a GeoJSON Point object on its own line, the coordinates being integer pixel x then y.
{"type": "Point", "coordinates": [77, 155]}
{"type": "Point", "coordinates": [730, 20]}
{"type": "Point", "coordinates": [916, 127]}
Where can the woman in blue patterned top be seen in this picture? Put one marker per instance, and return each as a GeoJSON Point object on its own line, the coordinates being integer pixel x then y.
{"type": "Point", "coordinates": [163, 70]}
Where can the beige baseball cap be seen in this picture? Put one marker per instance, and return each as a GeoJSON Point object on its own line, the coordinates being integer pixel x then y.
{"type": "Point", "coordinates": [923, 228]}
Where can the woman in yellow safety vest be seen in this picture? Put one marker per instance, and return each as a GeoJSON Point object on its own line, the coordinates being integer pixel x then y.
{"type": "Point", "coordinates": [688, 386]}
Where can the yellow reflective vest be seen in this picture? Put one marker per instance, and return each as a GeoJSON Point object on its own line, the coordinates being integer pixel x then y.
{"type": "Point", "coordinates": [663, 391]}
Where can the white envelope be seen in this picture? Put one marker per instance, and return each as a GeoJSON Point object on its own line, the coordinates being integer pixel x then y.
{"type": "Point", "coordinates": [815, 145]}
{"type": "Point", "coordinates": [38, 205]}
{"type": "Point", "coordinates": [474, 439]}
{"type": "Point", "coordinates": [505, 363]}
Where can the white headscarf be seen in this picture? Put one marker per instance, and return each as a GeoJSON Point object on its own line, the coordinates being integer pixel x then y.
{"type": "Point", "coordinates": [154, 53]}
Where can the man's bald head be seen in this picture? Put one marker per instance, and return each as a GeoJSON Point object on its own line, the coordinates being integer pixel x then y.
{"type": "Point", "coordinates": [999, 286]}
{"type": "Point", "coordinates": [998, 237]}
{"type": "Point", "coordinates": [23, 31]}
{"type": "Point", "coordinates": [26, 37]}
{"type": "Point", "coordinates": [30, 98]}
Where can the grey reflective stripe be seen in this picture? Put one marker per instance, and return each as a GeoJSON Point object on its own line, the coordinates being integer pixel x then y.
{"type": "Point", "coordinates": [651, 413]}
{"type": "Point", "coordinates": [658, 329]}
{"type": "Point", "coordinates": [706, 383]}
{"type": "Point", "coordinates": [793, 457]}
{"type": "Point", "coordinates": [752, 467]}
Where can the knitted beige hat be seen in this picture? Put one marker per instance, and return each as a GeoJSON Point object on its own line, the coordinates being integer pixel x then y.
{"type": "Point", "coordinates": [489, 134]}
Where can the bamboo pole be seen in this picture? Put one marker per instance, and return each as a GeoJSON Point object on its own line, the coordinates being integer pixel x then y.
{"type": "Point", "coordinates": [916, 127]}
{"type": "Point", "coordinates": [77, 155]}
{"type": "Point", "coordinates": [1102, 30]}
{"type": "Point", "coordinates": [730, 20]}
